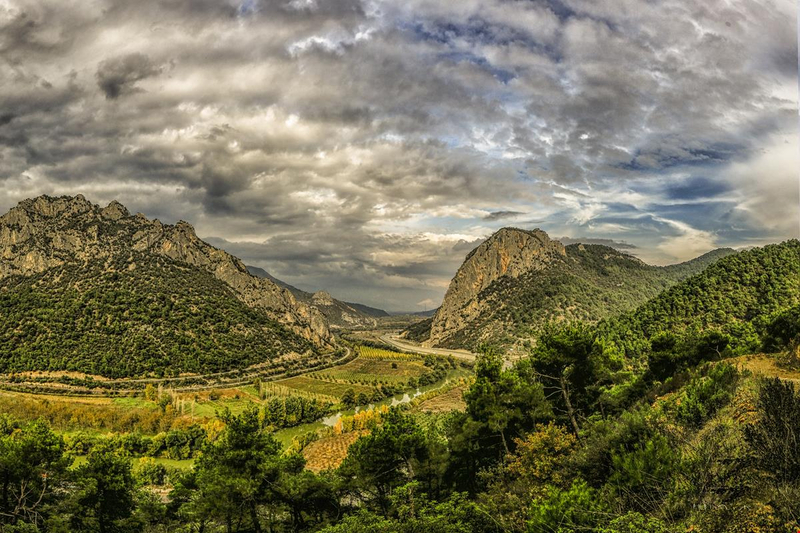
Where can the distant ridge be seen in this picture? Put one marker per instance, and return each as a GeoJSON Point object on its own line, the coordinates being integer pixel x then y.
{"type": "Point", "coordinates": [338, 313]}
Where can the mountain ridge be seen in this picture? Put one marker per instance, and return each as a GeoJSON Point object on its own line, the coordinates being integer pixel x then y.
{"type": "Point", "coordinates": [337, 312]}
{"type": "Point", "coordinates": [46, 233]}
{"type": "Point", "coordinates": [518, 280]}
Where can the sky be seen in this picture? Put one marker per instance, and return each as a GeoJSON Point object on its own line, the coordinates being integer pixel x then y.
{"type": "Point", "coordinates": [365, 146]}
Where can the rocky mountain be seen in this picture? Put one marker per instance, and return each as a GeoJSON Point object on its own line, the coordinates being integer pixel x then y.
{"type": "Point", "coordinates": [517, 281]}
{"type": "Point", "coordinates": [53, 240]}
{"type": "Point", "coordinates": [339, 314]}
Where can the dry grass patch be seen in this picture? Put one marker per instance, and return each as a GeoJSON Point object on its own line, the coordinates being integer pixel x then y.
{"type": "Point", "coordinates": [451, 400]}
{"type": "Point", "coordinates": [764, 365]}
{"type": "Point", "coordinates": [329, 452]}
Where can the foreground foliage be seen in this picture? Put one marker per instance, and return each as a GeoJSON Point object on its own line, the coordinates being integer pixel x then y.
{"type": "Point", "coordinates": [637, 424]}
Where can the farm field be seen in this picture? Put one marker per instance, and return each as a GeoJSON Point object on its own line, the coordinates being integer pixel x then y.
{"type": "Point", "coordinates": [451, 400]}
{"type": "Point", "coordinates": [315, 386]}
{"type": "Point", "coordinates": [329, 452]}
{"type": "Point", "coordinates": [373, 370]}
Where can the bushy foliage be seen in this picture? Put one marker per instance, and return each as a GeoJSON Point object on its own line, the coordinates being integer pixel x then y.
{"type": "Point", "coordinates": [146, 316]}
{"type": "Point", "coordinates": [775, 439]}
{"type": "Point", "coordinates": [564, 511]}
{"type": "Point", "coordinates": [709, 390]}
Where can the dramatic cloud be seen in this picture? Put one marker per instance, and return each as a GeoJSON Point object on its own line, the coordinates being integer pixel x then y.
{"type": "Point", "coordinates": [605, 242]}
{"type": "Point", "coordinates": [364, 146]}
{"type": "Point", "coordinates": [118, 75]}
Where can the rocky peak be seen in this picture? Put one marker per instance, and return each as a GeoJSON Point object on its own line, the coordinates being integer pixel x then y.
{"type": "Point", "coordinates": [322, 298]}
{"type": "Point", "coordinates": [45, 206]}
{"type": "Point", "coordinates": [115, 211]}
{"type": "Point", "coordinates": [508, 252]}
{"type": "Point", "coordinates": [45, 232]}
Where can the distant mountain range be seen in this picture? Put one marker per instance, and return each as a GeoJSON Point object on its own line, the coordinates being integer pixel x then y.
{"type": "Point", "coordinates": [338, 313]}
{"type": "Point", "coordinates": [517, 281]}
{"type": "Point", "coordinates": [101, 291]}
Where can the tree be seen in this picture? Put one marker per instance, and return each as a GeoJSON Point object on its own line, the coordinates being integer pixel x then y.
{"type": "Point", "coordinates": [104, 499]}
{"type": "Point", "coordinates": [502, 405]}
{"type": "Point", "coordinates": [541, 460]}
{"type": "Point", "coordinates": [32, 470]}
{"type": "Point", "coordinates": [349, 398]}
{"type": "Point", "coordinates": [775, 438]}
{"type": "Point", "coordinates": [563, 359]}
{"type": "Point", "coordinates": [385, 459]}
{"type": "Point", "coordinates": [150, 392]}
{"type": "Point", "coordinates": [235, 471]}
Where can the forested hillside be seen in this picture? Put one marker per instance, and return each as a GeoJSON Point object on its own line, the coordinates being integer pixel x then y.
{"type": "Point", "coordinates": [737, 297]}
{"type": "Point", "coordinates": [585, 283]}
{"type": "Point", "coordinates": [101, 291]}
{"type": "Point", "coordinates": [136, 316]}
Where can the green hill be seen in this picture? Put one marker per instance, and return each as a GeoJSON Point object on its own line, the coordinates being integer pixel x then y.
{"type": "Point", "coordinates": [143, 315]}
{"type": "Point", "coordinates": [737, 296]}
{"type": "Point", "coordinates": [101, 291]}
{"type": "Point", "coordinates": [579, 282]}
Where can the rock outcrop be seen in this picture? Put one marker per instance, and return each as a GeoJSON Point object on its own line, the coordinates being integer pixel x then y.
{"type": "Point", "coordinates": [339, 314]}
{"type": "Point", "coordinates": [45, 232]}
{"type": "Point", "coordinates": [509, 252]}
{"type": "Point", "coordinates": [518, 281]}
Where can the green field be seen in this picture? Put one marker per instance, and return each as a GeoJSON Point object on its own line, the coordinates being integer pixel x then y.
{"type": "Point", "coordinates": [317, 386]}
{"type": "Point", "coordinates": [182, 464]}
{"type": "Point", "coordinates": [371, 370]}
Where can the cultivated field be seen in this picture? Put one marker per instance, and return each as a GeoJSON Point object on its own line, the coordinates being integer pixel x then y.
{"type": "Point", "coordinates": [307, 385]}
{"type": "Point", "coordinates": [329, 452]}
{"type": "Point", "coordinates": [451, 400]}
{"type": "Point", "coordinates": [372, 370]}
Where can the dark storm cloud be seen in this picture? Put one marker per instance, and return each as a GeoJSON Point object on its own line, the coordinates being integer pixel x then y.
{"type": "Point", "coordinates": [367, 146]}
{"type": "Point", "coordinates": [605, 242]}
{"type": "Point", "coordinates": [500, 215]}
{"type": "Point", "coordinates": [119, 74]}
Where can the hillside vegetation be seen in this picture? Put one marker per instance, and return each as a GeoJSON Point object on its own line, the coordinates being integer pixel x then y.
{"type": "Point", "coordinates": [638, 423]}
{"type": "Point", "coordinates": [586, 283]}
{"type": "Point", "coordinates": [144, 315]}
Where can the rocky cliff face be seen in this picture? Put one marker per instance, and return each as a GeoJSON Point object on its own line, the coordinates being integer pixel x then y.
{"type": "Point", "coordinates": [45, 232]}
{"type": "Point", "coordinates": [517, 282]}
{"type": "Point", "coordinates": [509, 252]}
{"type": "Point", "coordinates": [338, 314]}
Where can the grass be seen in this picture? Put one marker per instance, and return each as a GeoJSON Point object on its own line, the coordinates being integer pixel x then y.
{"type": "Point", "coordinates": [765, 365]}
{"type": "Point", "coordinates": [317, 386]}
{"type": "Point", "coordinates": [136, 402]}
{"type": "Point", "coordinates": [367, 369]}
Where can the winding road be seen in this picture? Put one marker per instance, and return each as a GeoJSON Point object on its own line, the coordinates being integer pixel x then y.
{"type": "Point", "coordinates": [395, 341]}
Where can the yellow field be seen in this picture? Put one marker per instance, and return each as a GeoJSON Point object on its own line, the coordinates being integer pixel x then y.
{"type": "Point", "coordinates": [329, 452]}
{"type": "Point", "coordinates": [378, 353]}
{"type": "Point", "coordinates": [373, 370]}
{"type": "Point", "coordinates": [451, 400]}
